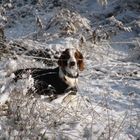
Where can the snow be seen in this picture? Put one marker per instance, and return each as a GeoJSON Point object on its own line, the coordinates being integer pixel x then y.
{"type": "Point", "coordinates": [107, 104]}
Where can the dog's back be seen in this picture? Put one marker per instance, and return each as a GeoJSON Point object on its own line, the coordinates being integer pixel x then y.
{"type": "Point", "coordinates": [46, 81]}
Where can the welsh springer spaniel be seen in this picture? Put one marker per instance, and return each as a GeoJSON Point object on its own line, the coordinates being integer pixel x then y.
{"type": "Point", "coordinates": [59, 80]}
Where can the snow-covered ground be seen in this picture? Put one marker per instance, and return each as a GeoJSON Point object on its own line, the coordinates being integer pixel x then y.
{"type": "Point", "coordinates": [107, 106]}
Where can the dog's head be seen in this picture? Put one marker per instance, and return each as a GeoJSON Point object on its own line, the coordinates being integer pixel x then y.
{"type": "Point", "coordinates": [71, 60]}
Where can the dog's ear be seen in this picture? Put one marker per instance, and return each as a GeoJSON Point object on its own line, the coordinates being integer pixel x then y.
{"type": "Point", "coordinates": [62, 61]}
{"type": "Point", "coordinates": [80, 60]}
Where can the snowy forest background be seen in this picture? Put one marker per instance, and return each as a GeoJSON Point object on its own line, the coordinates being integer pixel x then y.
{"type": "Point", "coordinates": [33, 33]}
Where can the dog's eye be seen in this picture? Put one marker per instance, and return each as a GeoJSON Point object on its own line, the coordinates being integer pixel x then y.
{"type": "Point", "coordinates": [65, 57]}
{"type": "Point", "coordinates": [77, 56]}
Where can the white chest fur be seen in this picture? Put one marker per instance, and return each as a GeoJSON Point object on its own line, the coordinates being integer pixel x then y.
{"type": "Point", "coordinates": [72, 82]}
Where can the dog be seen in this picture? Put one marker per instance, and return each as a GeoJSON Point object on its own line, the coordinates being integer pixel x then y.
{"type": "Point", "coordinates": [59, 80]}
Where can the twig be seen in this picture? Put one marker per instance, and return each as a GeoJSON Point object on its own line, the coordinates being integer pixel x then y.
{"type": "Point", "coordinates": [119, 127]}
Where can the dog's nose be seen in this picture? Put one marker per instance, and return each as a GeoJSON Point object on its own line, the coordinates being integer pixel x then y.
{"type": "Point", "coordinates": [72, 63]}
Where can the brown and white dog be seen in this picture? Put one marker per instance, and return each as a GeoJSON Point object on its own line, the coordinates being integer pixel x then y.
{"type": "Point", "coordinates": [59, 80]}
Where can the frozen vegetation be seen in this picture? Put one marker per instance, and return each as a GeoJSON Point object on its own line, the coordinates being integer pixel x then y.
{"type": "Point", "coordinates": [33, 33]}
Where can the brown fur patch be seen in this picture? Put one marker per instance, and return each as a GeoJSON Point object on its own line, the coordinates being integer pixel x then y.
{"type": "Point", "coordinates": [80, 60]}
